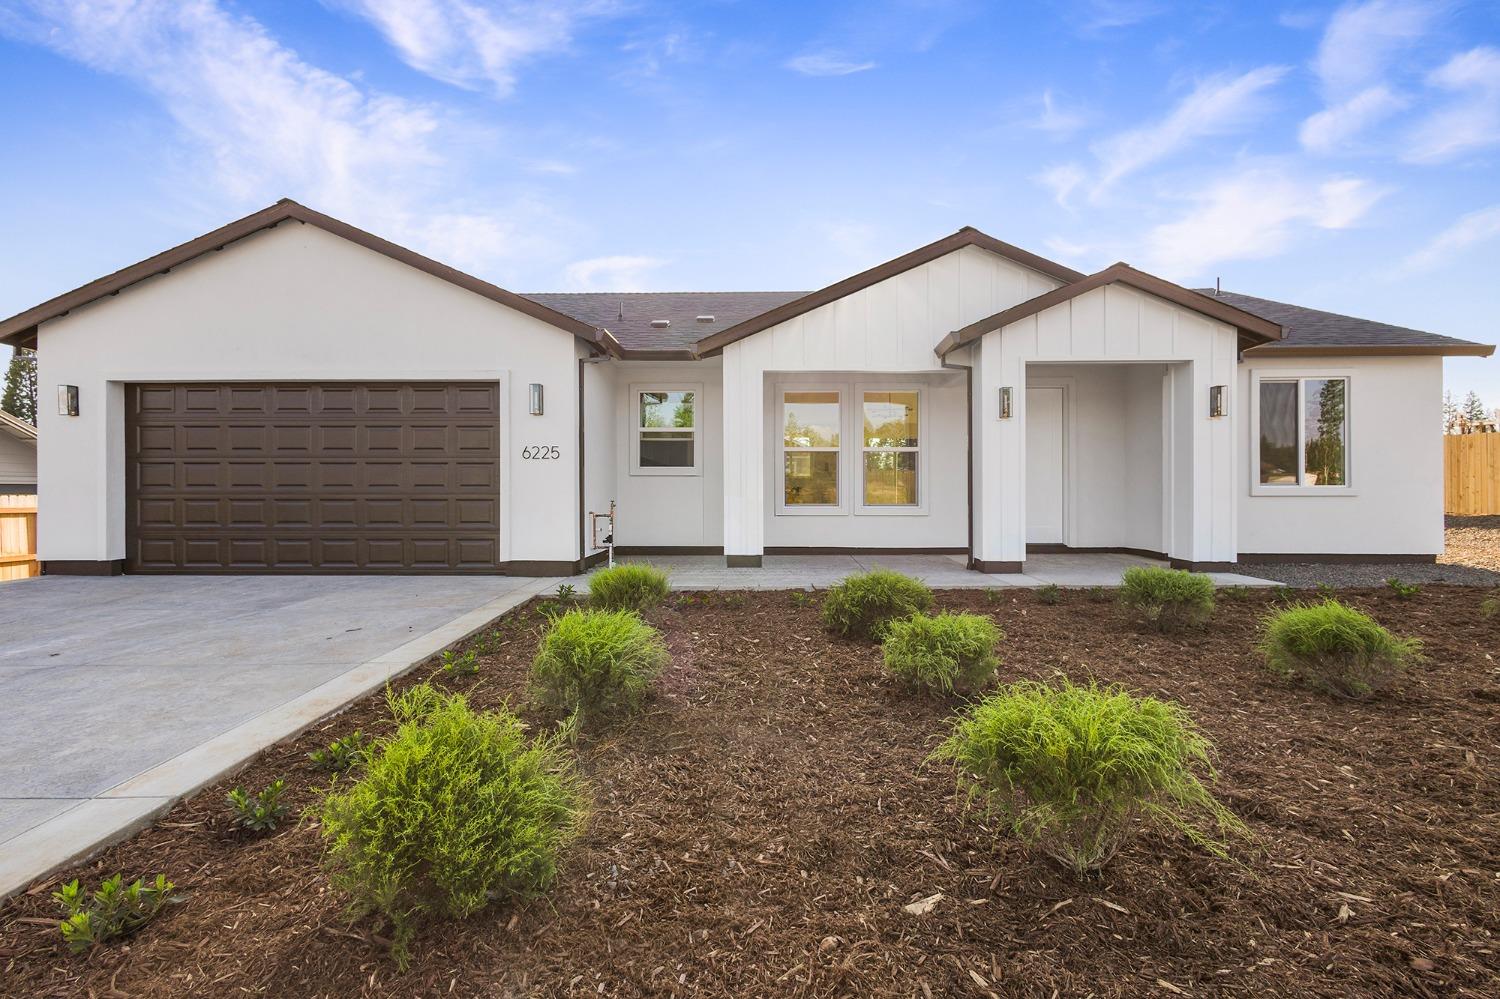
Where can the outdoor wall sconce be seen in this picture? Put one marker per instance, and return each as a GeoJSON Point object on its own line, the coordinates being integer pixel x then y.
{"type": "Point", "coordinates": [1218, 400]}
{"type": "Point", "coordinates": [67, 400]}
{"type": "Point", "coordinates": [536, 399]}
{"type": "Point", "coordinates": [1006, 404]}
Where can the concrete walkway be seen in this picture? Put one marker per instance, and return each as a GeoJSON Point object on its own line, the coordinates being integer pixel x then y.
{"type": "Point", "coordinates": [125, 694]}
{"type": "Point", "coordinates": [941, 572]}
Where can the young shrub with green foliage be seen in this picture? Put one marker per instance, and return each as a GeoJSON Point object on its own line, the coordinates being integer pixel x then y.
{"type": "Point", "coordinates": [341, 754]}
{"type": "Point", "coordinates": [258, 813]}
{"type": "Point", "coordinates": [114, 910]}
{"type": "Point", "coordinates": [948, 652]}
{"type": "Point", "coordinates": [597, 661]}
{"type": "Point", "coordinates": [1490, 606]}
{"type": "Point", "coordinates": [461, 664]}
{"type": "Point", "coordinates": [1073, 770]}
{"type": "Point", "coordinates": [1168, 599]}
{"type": "Point", "coordinates": [1049, 594]}
{"type": "Point", "coordinates": [631, 586]}
{"type": "Point", "coordinates": [1335, 648]}
{"type": "Point", "coordinates": [1403, 591]}
{"type": "Point", "coordinates": [455, 810]}
{"type": "Point", "coordinates": [866, 602]}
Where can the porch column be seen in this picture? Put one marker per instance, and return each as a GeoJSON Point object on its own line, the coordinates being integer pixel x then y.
{"type": "Point", "coordinates": [1000, 544]}
{"type": "Point", "coordinates": [1200, 495]}
{"type": "Point", "coordinates": [744, 457]}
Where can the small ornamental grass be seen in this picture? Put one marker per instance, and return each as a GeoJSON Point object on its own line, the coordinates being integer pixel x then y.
{"type": "Point", "coordinates": [1335, 648]}
{"type": "Point", "coordinates": [632, 586]}
{"type": "Point", "coordinates": [455, 810]}
{"type": "Point", "coordinates": [1071, 769]}
{"type": "Point", "coordinates": [1168, 600]}
{"type": "Point", "coordinates": [597, 661]}
{"type": "Point", "coordinates": [947, 652]}
{"type": "Point", "coordinates": [865, 603]}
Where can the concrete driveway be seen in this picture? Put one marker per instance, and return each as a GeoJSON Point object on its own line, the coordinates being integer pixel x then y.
{"type": "Point", "coordinates": [123, 694]}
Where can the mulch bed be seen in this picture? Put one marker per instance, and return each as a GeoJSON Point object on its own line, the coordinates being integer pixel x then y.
{"type": "Point", "coordinates": [1473, 541]}
{"type": "Point", "coordinates": [759, 828]}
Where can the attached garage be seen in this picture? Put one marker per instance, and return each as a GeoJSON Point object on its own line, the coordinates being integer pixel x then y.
{"type": "Point", "coordinates": [299, 476]}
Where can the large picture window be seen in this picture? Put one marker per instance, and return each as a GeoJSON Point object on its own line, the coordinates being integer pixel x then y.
{"type": "Point", "coordinates": [889, 456]}
{"type": "Point", "coordinates": [1304, 432]}
{"type": "Point", "coordinates": [666, 431]}
{"type": "Point", "coordinates": [810, 434]}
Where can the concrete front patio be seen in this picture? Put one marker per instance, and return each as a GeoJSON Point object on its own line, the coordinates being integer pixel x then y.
{"type": "Point", "coordinates": [124, 694]}
{"type": "Point", "coordinates": [941, 572]}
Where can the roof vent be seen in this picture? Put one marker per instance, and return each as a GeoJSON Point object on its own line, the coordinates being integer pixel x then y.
{"type": "Point", "coordinates": [705, 319]}
{"type": "Point", "coordinates": [661, 324]}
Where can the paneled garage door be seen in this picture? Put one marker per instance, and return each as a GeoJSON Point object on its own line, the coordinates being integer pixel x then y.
{"type": "Point", "coordinates": [313, 477]}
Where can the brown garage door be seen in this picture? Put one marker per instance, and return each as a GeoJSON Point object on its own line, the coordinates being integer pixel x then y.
{"type": "Point", "coordinates": [313, 477]}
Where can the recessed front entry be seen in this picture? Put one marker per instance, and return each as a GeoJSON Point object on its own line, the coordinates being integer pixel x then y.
{"type": "Point", "coordinates": [312, 477]}
{"type": "Point", "coordinates": [1045, 486]}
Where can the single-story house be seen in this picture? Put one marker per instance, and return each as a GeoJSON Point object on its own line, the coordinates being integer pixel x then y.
{"type": "Point", "coordinates": [291, 394]}
{"type": "Point", "coordinates": [17, 455]}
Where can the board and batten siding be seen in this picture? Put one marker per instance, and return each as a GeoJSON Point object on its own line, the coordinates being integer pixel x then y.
{"type": "Point", "coordinates": [1115, 324]}
{"type": "Point", "coordinates": [17, 461]}
{"type": "Point", "coordinates": [892, 326]}
{"type": "Point", "coordinates": [296, 303]}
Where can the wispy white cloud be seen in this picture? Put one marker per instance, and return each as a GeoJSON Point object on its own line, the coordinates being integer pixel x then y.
{"type": "Point", "coordinates": [615, 273]}
{"type": "Point", "coordinates": [1255, 212]}
{"type": "Point", "coordinates": [1471, 230]}
{"type": "Point", "coordinates": [827, 64]}
{"type": "Point", "coordinates": [1362, 38]}
{"type": "Point", "coordinates": [1337, 125]}
{"type": "Point", "coordinates": [1099, 16]}
{"type": "Point", "coordinates": [1472, 119]}
{"type": "Point", "coordinates": [1062, 180]}
{"type": "Point", "coordinates": [476, 44]}
{"type": "Point", "coordinates": [1055, 120]}
{"type": "Point", "coordinates": [1219, 105]}
{"type": "Point", "coordinates": [260, 121]}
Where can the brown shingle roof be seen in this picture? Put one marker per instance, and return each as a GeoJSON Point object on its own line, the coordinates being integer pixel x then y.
{"type": "Point", "coordinates": [1315, 331]}
{"type": "Point", "coordinates": [634, 331]}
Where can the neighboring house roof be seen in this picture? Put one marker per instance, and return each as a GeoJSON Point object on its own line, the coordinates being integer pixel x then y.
{"type": "Point", "coordinates": [967, 236]}
{"type": "Point", "coordinates": [1313, 331]}
{"type": "Point", "coordinates": [628, 315]}
{"type": "Point", "coordinates": [1251, 327]}
{"type": "Point", "coordinates": [17, 427]}
{"type": "Point", "coordinates": [21, 330]}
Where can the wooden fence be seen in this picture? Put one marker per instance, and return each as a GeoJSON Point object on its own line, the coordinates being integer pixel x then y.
{"type": "Point", "coordinates": [18, 537]}
{"type": "Point", "coordinates": [1471, 474]}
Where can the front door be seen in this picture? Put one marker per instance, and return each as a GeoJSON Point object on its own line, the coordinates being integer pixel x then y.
{"type": "Point", "coordinates": [1044, 465]}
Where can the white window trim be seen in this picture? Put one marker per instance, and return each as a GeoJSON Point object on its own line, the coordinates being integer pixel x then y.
{"type": "Point", "coordinates": [633, 410]}
{"type": "Point", "coordinates": [1300, 375]}
{"type": "Point", "coordinates": [861, 509]}
{"type": "Point", "coordinates": [841, 509]}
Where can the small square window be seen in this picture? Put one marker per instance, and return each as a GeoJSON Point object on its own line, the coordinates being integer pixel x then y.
{"type": "Point", "coordinates": [666, 431]}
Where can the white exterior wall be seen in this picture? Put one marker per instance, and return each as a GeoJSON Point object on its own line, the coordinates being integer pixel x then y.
{"type": "Point", "coordinates": [297, 303]}
{"type": "Point", "coordinates": [890, 327]}
{"type": "Point", "coordinates": [670, 510]}
{"type": "Point", "coordinates": [1394, 504]}
{"type": "Point", "coordinates": [1115, 324]}
{"type": "Point", "coordinates": [17, 461]}
{"type": "Point", "coordinates": [601, 423]}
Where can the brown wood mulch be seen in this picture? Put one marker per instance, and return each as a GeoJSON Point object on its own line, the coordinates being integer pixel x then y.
{"type": "Point", "coordinates": [1472, 541]}
{"type": "Point", "coordinates": [761, 827]}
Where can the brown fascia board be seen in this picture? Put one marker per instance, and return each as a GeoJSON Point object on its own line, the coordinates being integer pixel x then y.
{"type": "Point", "coordinates": [967, 236]}
{"type": "Point", "coordinates": [1121, 273]}
{"type": "Point", "coordinates": [1455, 348]}
{"type": "Point", "coordinates": [21, 329]}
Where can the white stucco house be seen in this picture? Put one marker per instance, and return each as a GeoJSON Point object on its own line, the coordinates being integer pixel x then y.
{"type": "Point", "coordinates": [291, 394]}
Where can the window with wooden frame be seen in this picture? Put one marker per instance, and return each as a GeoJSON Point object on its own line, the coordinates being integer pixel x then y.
{"type": "Point", "coordinates": [811, 431]}
{"type": "Point", "coordinates": [889, 458]}
{"type": "Point", "coordinates": [666, 430]}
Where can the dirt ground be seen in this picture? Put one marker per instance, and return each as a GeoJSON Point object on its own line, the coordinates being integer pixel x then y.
{"type": "Point", "coordinates": [760, 827]}
{"type": "Point", "coordinates": [1473, 541]}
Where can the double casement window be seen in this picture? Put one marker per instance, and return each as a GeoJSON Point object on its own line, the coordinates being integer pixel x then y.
{"type": "Point", "coordinates": [1302, 434]}
{"type": "Point", "coordinates": [666, 430]}
{"type": "Point", "coordinates": [867, 434]}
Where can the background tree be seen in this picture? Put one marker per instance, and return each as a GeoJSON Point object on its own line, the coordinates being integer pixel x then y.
{"type": "Point", "coordinates": [19, 396]}
{"type": "Point", "coordinates": [1474, 409]}
{"type": "Point", "coordinates": [1450, 413]}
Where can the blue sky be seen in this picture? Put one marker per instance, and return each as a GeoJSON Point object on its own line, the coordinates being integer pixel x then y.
{"type": "Point", "coordinates": [1344, 156]}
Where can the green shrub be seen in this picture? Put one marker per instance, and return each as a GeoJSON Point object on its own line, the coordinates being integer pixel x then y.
{"type": "Point", "coordinates": [461, 664]}
{"type": "Point", "coordinates": [454, 810]}
{"type": "Point", "coordinates": [1168, 599]}
{"type": "Point", "coordinates": [594, 661]}
{"type": "Point", "coordinates": [258, 813]}
{"type": "Point", "coordinates": [567, 591]}
{"type": "Point", "coordinates": [632, 586]}
{"type": "Point", "coordinates": [1049, 594]}
{"type": "Point", "coordinates": [864, 603]}
{"type": "Point", "coordinates": [1072, 770]}
{"type": "Point", "coordinates": [1335, 648]}
{"type": "Point", "coordinates": [341, 754]}
{"type": "Point", "coordinates": [114, 910]}
{"type": "Point", "coordinates": [947, 652]}
{"type": "Point", "coordinates": [1402, 590]}
{"type": "Point", "coordinates": [1490, 606]}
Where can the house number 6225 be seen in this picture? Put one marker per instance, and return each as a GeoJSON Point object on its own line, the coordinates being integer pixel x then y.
{"type": "Point", "coordinates": [541, 452]}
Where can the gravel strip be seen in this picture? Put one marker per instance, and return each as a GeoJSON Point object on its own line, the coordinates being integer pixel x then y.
{"type": "Point", "coordinates": [1472, 558]}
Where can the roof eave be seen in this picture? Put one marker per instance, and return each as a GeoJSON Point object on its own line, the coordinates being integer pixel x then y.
{"type": "Point", "coordinates": [1457, 348]}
